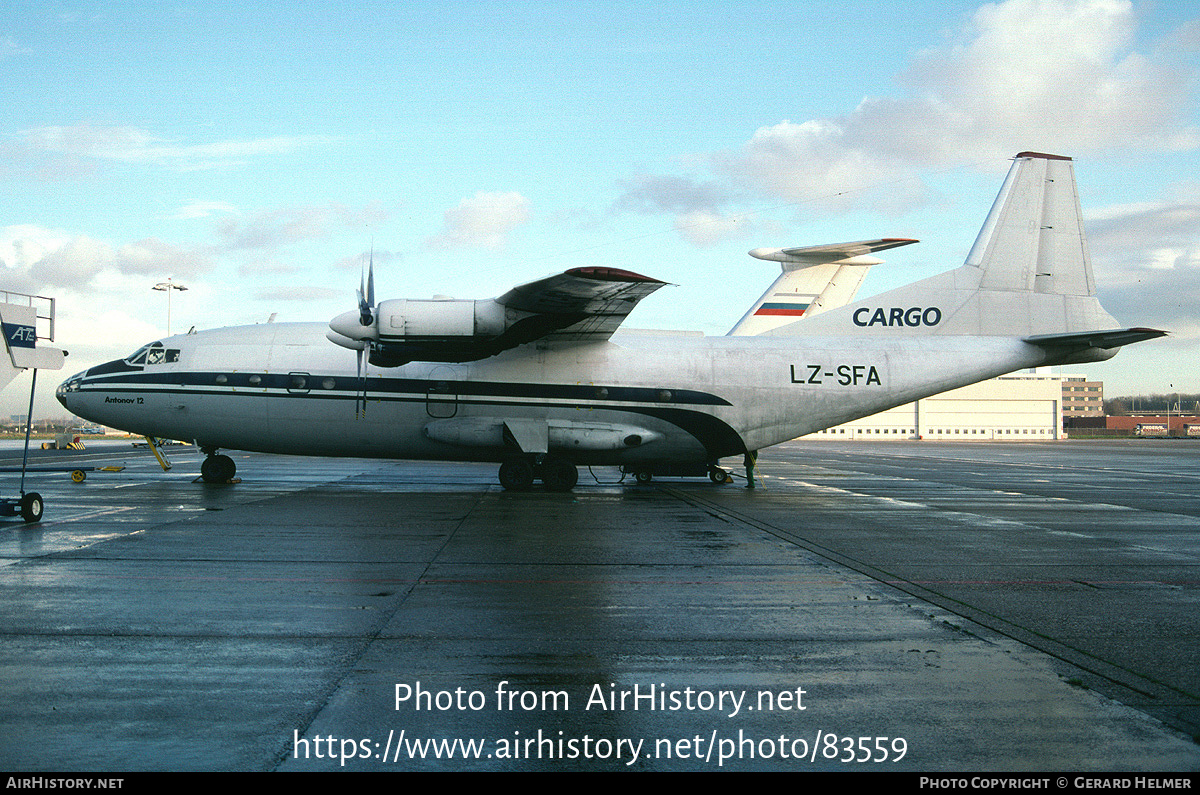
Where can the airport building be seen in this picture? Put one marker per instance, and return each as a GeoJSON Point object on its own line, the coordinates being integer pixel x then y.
{"type": "Point", "coordinates": [1018, 407]}
{"type": "Point", "coordinates": [1081, 397]}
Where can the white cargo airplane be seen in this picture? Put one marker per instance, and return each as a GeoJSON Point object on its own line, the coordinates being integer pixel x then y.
{"type": "Point", "coordinates": [536, 380]}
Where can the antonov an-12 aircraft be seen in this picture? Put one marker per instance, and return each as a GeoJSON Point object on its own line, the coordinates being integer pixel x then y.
{"type": "Point", "coordinates": [537, 381]}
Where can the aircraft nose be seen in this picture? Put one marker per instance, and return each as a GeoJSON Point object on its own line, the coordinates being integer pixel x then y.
{"type": "Point", "coordinates": [68, 389]}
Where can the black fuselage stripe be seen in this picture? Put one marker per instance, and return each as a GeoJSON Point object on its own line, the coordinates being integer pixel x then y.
{"type": "Point", "coordinates": [719, 439]}
{"type": "Point", "coordinates": [416, 386]}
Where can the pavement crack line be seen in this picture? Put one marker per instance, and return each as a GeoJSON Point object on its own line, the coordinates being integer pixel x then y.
{"type": "Point", "coordinates": [369, 639]}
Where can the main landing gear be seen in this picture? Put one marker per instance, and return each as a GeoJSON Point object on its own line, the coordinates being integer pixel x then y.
{"type": "Point", "coordinates": [555, 472]}
{"type": "Point", "coordinates": [216, 468]}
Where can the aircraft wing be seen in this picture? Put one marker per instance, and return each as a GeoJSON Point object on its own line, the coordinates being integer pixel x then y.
{"type": "Point", "coordinates": [582, 304]}
{"type": "Point", "coordinates": [592, 302]}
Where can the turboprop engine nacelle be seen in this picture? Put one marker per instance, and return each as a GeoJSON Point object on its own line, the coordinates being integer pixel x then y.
{"type": "Point", "coordinates": [439, 330]}
{"type": "Point", "coordinates": [402, 318]}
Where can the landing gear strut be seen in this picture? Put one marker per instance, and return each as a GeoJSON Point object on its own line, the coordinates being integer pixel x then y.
{"type": "Point", "coordinates": [556, 473]}
{"type": "Point", "coordinates": [217, 468]}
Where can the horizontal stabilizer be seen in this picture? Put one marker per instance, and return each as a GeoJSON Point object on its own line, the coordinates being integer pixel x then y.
{"type": "Point", "coordinates": [808, 256]}
{"type": "Point", "coordinates": [815, 279]}
{"type": "Point", "coordinates": [1105, 340]}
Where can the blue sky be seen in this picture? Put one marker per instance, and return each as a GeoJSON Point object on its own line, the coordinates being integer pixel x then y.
{"type": "Point", "coordinates": [257, 152]}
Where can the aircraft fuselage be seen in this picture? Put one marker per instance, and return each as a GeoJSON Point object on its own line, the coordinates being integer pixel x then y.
{"type": "Point", "coordinates": [638, 398]}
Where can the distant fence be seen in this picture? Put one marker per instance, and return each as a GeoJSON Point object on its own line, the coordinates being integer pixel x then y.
{"type": "Point", "coordinates": [1121, 433]}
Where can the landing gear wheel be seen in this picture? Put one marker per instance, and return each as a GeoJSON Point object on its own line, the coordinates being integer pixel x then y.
{"type": "Point", "coordinates": [642, 476]}
{"type": "Point", "coordinates": [516, 475]}
{"type": "Point", "coordinates": [218, 469]}
{"type": "Point", "coordinates": [559, 474]}
{"type": "Point", "coordinates": [31, 506]}
{"type": "Point", "coordinates": [718, 475]}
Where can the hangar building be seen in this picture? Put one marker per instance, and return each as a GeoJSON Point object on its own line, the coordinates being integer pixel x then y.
{"type": "Point", "coordinates": [1018, 407]}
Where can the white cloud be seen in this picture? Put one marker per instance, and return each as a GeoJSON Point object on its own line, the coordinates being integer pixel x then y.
{"type": "Point", "coordinates": [23, 245]}
{"type": "Point", "coordinates": [483, 220]}
{"type": "Point", "coordinates": [153, 257]}
{"type": "Point", "coordinates": [1048, 75]}
{"type": "Point", "coordinates": [1045, 75]}
{"type": "Point", "coordinates": [81, 146]}
{"type": "Point", "coordinates": [290, 224]}
{"type": "Point", "coordinates": [650, 193]}
{"type": "Point", "coordinates": [39, 260]}
{"type": "Point", "coordinates": [303, 293]}
{"type": "Point", "coordinates": [1147, 262]}
{"type": "Point", "coordinates": [9, 47]}
{"type": "Point", "coordinates": [698, 206]}
{"type": "Point", "coordinates": [203, 210]}
{"type": "Point", "coordinates": [705, 228]}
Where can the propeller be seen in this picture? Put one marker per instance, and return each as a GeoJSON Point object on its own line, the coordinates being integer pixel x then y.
{"type": "Point", "coordinates": [355, 329]}
{"type": "Point", "coordinates": [366, 317]}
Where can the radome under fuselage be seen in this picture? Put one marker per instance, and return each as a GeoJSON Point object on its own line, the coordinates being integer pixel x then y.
{"type": "Point", "coordinates": [283, 388]}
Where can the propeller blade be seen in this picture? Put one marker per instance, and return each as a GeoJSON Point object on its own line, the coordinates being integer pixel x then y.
{"type": "Point", "coordinates": [366, 303]}
{"type": "Point", "coordinates": [371, 278]}
{"type": "Point", "coordinates": [360, 399]}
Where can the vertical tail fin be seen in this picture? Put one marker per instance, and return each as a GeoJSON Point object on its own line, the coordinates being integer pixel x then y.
{"type": "Point", "coordinates": [1033, 238]}
{"type": "Point", "coordinates": [1028, 273]}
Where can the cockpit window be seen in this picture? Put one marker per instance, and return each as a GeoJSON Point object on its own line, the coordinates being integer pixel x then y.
{"type": "Point", "coordinates": [154, 353]}
{"type": "Point", "coordinates": [139, 356]}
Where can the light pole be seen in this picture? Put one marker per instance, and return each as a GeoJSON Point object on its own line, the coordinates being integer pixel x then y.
{"type": "Point", "coordinates": [167, 287]}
